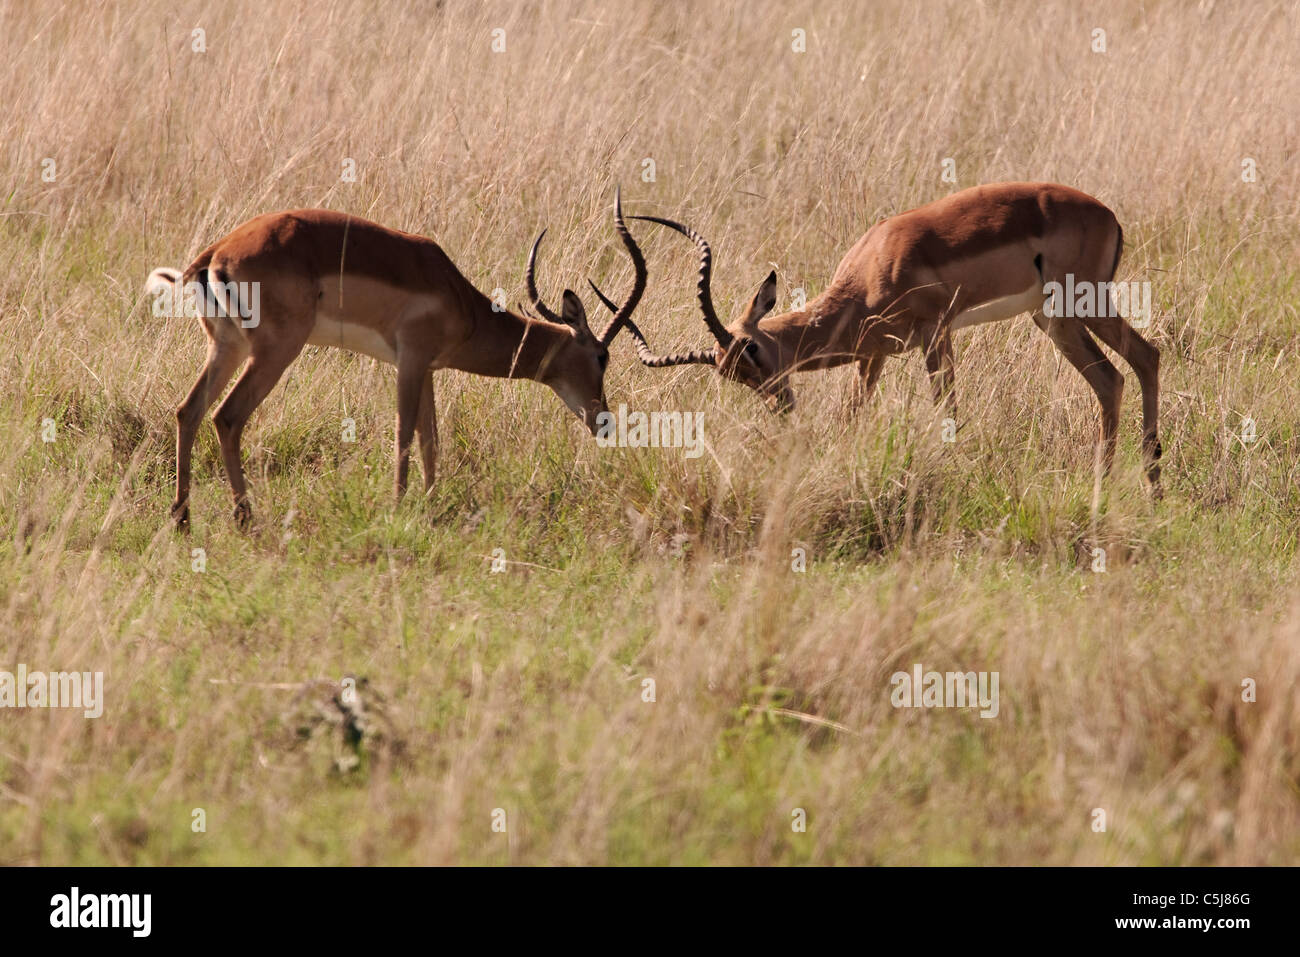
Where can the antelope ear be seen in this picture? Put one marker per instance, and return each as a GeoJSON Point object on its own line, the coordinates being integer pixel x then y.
{"type": "Point", "coordinates": [763, 302]}
{"type": "Point", "coordinates": [574, 314]}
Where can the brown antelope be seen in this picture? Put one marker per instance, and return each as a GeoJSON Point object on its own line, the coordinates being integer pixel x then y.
{"type": "Point", "coordinates": [980, 255]}
{"type": "Point", "coordinates": [324, 278]}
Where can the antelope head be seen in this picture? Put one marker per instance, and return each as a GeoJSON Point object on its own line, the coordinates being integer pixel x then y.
{"type": "Point", "coordinates": [575, 370]}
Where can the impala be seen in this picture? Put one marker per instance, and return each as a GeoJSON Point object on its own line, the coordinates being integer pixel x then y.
{"type": "Point", "coordinates": [330, 279]}
{"type": "Point", "coordinates": [980, 255]}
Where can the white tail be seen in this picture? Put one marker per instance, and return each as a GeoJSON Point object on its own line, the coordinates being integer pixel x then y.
{"type": "Point", "coordinates": [162, 279]}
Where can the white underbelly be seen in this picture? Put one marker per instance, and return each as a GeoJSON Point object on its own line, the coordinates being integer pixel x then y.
{"type": "Point", "coordinates": [1002, 308]}
{"type": "Point", "coordinates": [329, 331]}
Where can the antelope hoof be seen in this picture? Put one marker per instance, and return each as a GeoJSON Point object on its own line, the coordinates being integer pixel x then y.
{"type": "Point", "coordinates": [1154, 451]}
{"type": "Point", "coordinates": [782, 404]}
{"type": "Point", "coordinates": [243, 515]}
{"type": "Point", "coordinates": [181, 516]}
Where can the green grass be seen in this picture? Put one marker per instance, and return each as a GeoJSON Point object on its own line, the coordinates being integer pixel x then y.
{"type": "Point", "coordinates": [523, 690]}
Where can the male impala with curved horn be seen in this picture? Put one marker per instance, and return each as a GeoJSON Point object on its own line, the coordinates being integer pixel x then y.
{"type": "Point", "coordinates": [326, 278]}
{"type": "Point", "coordinates": [980, 255]}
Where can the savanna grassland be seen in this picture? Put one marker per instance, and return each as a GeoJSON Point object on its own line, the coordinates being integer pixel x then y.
{"type": "Point", "coordinates": [524, 690]}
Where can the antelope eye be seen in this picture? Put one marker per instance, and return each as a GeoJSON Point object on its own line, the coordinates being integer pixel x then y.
{"type": "Point", "coordinates": [603, 359]}
{"type": "Point", "coordinates": [751, 350]}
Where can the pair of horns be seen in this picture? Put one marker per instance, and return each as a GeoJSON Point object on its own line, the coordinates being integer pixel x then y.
{"type": "Point", "coordinates": [643, 350]}
{"type": "Point", "coordinates": [703, 294]}
{"type": "Point", "coordinates": [623, 314]}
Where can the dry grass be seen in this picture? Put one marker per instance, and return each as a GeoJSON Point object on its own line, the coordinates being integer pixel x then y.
{"type": "Point", "coordinates": [523, 691]}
